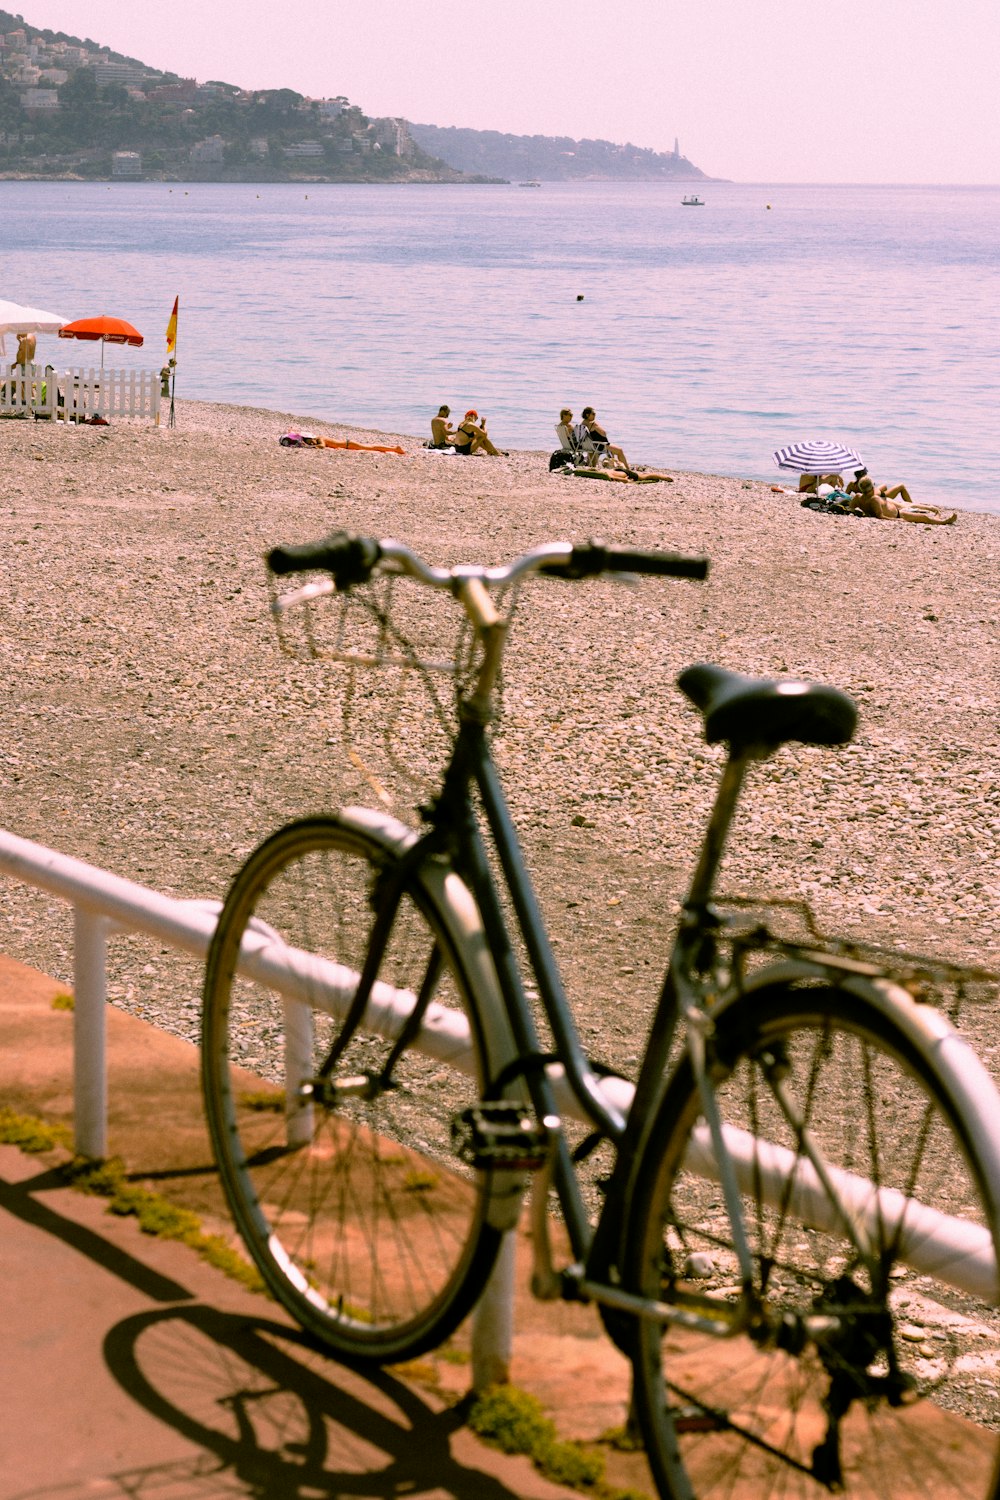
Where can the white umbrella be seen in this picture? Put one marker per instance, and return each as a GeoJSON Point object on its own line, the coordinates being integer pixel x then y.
{"type": "Point", "coordinates": [15, 318]}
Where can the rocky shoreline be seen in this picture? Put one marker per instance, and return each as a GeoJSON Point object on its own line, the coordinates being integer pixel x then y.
{"type": "Point", "coordinates": [152, 727]}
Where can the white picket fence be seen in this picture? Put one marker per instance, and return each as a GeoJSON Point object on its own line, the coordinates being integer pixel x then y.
{"type": "Point", "coordinates": [29, 391]}
{"type": "Point", "coordinates": [80, 393]}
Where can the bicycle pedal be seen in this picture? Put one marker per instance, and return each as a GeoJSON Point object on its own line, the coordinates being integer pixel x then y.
{"type": "Point", "coordinates": [501, 1135]}
{"type": "Point", "coordinates": [331, 1092]}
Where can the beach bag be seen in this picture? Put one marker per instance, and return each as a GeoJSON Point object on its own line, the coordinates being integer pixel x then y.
{"type": "Point", "coordinates": [560, 458]}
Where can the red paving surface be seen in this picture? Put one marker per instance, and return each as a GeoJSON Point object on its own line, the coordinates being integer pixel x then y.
{"type": "Point", "coordinates": [130, 1367]}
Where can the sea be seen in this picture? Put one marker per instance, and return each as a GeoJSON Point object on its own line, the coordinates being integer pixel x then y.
{"type": "Point", "coordinates": [705, 336]}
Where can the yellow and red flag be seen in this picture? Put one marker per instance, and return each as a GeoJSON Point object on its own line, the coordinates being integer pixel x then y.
{"type": "Point", "coordinates": [172, 328]}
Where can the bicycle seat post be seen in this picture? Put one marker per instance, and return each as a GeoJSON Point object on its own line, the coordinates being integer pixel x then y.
{"type": "Point", "coordinates": [714, 842]}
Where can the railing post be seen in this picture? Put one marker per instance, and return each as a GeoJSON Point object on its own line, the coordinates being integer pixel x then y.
{"type": "Point", "coordinates": [90, 1081]}
{"type": "Point", "coordinates": [493, 1321]}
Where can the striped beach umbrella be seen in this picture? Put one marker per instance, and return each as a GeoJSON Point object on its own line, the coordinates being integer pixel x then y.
{"type": "Point", "coordinates": [817, 456]}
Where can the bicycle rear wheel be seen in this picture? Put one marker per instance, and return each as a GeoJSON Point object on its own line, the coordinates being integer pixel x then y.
{"type": "Point", "coordinates": [860, 1368]}
{"type": "Point", "coordinates": [345, 1189]}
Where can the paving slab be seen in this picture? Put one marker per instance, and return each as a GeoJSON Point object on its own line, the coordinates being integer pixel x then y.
{"type": "Point", "coordinates": [131, 1367]}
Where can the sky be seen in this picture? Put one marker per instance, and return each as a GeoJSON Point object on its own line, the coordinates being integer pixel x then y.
{"type": "Point", "coordinates": [755, 90]}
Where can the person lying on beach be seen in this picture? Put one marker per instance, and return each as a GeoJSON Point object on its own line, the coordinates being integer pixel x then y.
{"type": "Point", "coordinates": [471, 436]}
{"type": "Point", "coordinates": [882, 504]}
{"type": "Point", "coordinates": [442, 432]}
{"type": "Point", "coordinates": [898, 491]}
{"type": "Point", "coordinates": [593, 439]}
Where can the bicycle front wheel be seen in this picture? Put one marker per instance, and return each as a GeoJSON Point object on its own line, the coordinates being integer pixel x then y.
{"type": "Point", "coordinates": [854, 1360]}
{"type": "Point", "coordinates": [332, 1129]}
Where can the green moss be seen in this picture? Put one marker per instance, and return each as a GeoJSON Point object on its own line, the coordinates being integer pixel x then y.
{"type": "Point", "coordinates": [571, 1464]}
{"type": "Point", "coordinates": [156, 1215]}
{"type": "Point", "coordinates": [264, 1101]}
{"type": "Point", "coordinates": [515, 1422]}
{"type": "Point", "coordinates": [63, 1001]}
{"type": "Point", "coordinates": [625, 1439]}
{"type": "Point", "coordinates": [511, 1420]}
{"type": "Point", "coordinates": [419, 1181]}
{"type": "Point", "coordinates": [450, 1354]}
{"type": "Point", "coordinates": [31, 1135]}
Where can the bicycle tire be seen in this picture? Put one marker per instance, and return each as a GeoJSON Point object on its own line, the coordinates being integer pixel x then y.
{"type": "Point", "coordinates": [880, 1091]}
{"type": "Point", "coordinates": [359, 1216]}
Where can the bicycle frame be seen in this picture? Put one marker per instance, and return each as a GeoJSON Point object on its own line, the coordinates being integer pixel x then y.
{"type": "Point", "coordinates": [456, 829]}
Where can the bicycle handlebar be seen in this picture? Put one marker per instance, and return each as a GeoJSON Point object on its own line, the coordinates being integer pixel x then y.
{"type": "Point", "coordinates": [351, 559]}
{"type": "Point", "coordinates": [592, 558]}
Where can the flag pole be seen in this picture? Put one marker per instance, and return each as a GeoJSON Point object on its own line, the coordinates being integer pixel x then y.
{"type": "Point", "coordinates": [172, 356]}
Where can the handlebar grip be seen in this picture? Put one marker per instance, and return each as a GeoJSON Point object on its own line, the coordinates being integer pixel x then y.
{"type": "Point", "coordinates": [348, 558]}
{"type": "Point", "coordinates": [593, 558]}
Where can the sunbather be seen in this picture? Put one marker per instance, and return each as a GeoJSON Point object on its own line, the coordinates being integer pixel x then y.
{"type": "Point", "coordinates": [592, 438]}
{"type": "Point", "coordinates": [442, 432]}
{"type": "Point", "coordinates": [810, 483]}
{"type": "Point", "coordinates": [565, 432]}
{"type": "Point", "coordinates": [471, 436]}
{"type": "Point", "coordinates": [883, 504]}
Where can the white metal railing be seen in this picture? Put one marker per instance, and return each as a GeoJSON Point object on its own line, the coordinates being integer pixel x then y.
{"type": "Point", "coordinates": [80, 393]}
{"type": "Point", "coordinates": [958, 1252]}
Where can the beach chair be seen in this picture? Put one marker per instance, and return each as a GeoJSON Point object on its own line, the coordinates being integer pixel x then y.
{"type": "Point", "coordinates": [588, 453]}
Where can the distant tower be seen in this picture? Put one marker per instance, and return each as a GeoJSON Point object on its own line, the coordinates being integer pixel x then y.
{"type": "Point", "coordinates": [677, 146]}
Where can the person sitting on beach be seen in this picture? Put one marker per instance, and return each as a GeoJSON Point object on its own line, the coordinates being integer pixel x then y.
{"type": "Point", "coordinates": [809, 483]}
{"type": "Point", "coordinates": [882, 504]}
{"type": "Point", "coordinates": [565, 432]}
{"type": "Point", "coordinates": [592, 438]}
{"type": "Point", "coordinates": [442, 432]}
{"type": "Point", "coordinates": [471, 436]}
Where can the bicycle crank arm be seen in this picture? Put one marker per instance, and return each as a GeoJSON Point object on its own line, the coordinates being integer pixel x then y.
{"type": "Point", "coordinates": [722, 1326]}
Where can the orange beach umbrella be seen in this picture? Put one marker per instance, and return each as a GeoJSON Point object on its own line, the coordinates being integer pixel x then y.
{"type": "Point", "coordinates": [108, 330]}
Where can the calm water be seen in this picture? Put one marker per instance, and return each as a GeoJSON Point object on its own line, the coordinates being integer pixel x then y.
{"type": "Point", "coordinates": [706, 337]}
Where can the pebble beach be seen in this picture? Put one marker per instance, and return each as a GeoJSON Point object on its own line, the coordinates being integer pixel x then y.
{"type": "Point", "coordinates": [153, 727]}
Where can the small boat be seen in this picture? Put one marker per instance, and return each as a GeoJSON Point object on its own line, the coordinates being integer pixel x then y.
{"type": "Point", "coordinates": [693, 202]}
{"type": "Point", "coordinates": [529, 184]}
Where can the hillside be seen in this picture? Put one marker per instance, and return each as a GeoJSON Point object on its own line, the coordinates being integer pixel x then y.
{"type": "Point", "coordinates": [550, 158]}
{"type": "Point", "coordinates": [71, 108]}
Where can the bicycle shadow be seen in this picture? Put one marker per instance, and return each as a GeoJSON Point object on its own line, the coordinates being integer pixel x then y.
{"type": "Point", "coordinates": [280, 1418]}
{"type": "Point", "coordinates": [22, 1198]}
{"type": "Point", "coordinates": [267, 1413]}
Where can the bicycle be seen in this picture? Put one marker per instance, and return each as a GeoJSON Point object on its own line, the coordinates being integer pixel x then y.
{"type": "Point", "coordinates": [804, 1170]}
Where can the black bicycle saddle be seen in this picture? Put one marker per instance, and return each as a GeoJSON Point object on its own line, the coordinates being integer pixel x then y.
{"type": "Point", "coordinates": [766, 712]}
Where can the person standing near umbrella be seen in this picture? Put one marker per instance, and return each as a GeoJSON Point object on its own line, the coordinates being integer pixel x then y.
{"type": "Point", "coordinates": [25, 355]}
